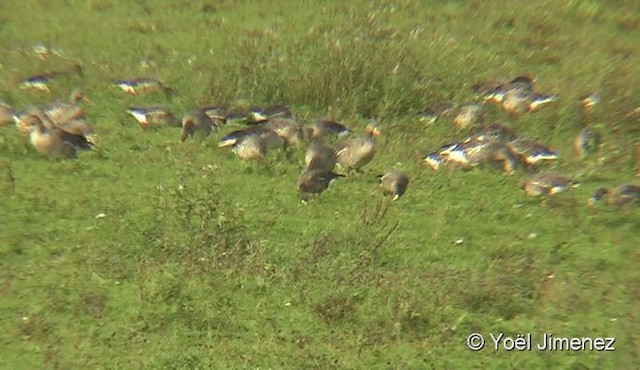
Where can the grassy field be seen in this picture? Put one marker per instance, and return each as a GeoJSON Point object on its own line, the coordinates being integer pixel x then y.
{"type": "Point", "coordinates": [152, 253]}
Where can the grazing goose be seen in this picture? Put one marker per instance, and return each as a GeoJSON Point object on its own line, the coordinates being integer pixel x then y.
{"type": "Point", "coordinates": [531, 152]}
{"type": "Point", "coordinates": [154, 116]}
{"type": "Point", "coordinates": [272, 139]}
{"type": "Point", "coordinates": [287, 128]}
{"type": "Point", "coordinates": [196, 122]}
{"type": "Point", "coordinates": [139, 85]}
{"type": "Point", "coordinates": [55, 142]}
{"type": "Point", "coordinates": [394, 183]}
{"type": "Point", "coordinates": [315, 182]}
{"type": "Point", "coordinates": [39, 82]}
{"type": "Point", "coordinates": [519, 97]}
{"type": "Point", "coordinates": [539, 100]}
{"type": "Point", "coordinates": [27, 119]}
{"type": "Point", "coordinates": [547, 183]}
{"type": "Point", "coordinates": [322, 128]}
{"type": "Point", "coordinates": [60, 112]}
{"type": "Point", "coordinates": [260, 115]}
{"type": "Point", "coordinates": [494, 132]}
{"type": "Point", "coordinates": [435, 160]}
{"type": "Point", "coordinates": [471, 154]}
{"type": "Point", "coordinates": [251, 148]}
{"type": "Point", "coordinates": [355, 153]}
{"type": "Point", "coordinates": [516, 97]}
{"type": "Point", "coordinates": [620, 196]}
{"type": "Point", "coordinates": [80, 127]}
{"type": "Point", "coordinates": [320, 157]}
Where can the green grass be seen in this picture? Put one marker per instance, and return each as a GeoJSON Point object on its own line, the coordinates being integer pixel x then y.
{"type": "Point", "coordinates": [203, 261]}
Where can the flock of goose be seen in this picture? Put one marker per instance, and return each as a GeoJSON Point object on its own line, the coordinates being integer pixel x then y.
{"type": "Point", "coordinates": [60, 130]}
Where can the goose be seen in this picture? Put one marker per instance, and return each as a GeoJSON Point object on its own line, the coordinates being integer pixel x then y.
{"type": "Point", "coordinates": [620, 196]}
{"type": "Point", "coordinates": [154, 116]}
{"type": "Point", "coordinates": [60, 112]}
{"type": "Point", "coordinates": [194, 122]}
{"type": "Point", "coordinates": [315, 181]}
{"type": "Point", "coordinates": [356, 152]}
{"type": "Point", "coordinates": [547, 183]}
{"type": "Point", "coordinates": [320, 157]}
{"type": "Point", "coordinates": [251, 148]}
{"type": "Point", "coordinates": [135, 86]}
{"type": "Point", "coordinates": [394, 183]}
{"type": "Point", "coordinates": [323, 128]}
{"type": "Point", "coordinates": [55, 142]}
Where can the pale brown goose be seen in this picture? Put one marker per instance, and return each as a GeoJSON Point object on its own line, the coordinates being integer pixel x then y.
{"type": "Point", "coordinates": [251, 148]}
{"type": "Point", "coordinates": [196, 122]}
{"type": "Point", "coordinates": [320, 157]}
{"type": "Point", "coordinates": [55, 142]}
{"type": "Point", "coordinates": [60, 112]}
{"type": "Point", "coordinates": [356, 152]}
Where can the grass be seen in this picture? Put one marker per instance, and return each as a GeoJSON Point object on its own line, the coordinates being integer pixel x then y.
{"type": "Point", "coordinates": [156, 254]}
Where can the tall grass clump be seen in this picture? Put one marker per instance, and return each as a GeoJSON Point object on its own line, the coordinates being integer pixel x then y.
{"type": "Point", "coordinates": [357, 65]}
{"type": "Point", "coordinates": [197, 228]}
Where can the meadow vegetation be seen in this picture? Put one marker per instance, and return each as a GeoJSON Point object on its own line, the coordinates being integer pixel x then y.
{"type": "Point", "coordinates": [151, 253]}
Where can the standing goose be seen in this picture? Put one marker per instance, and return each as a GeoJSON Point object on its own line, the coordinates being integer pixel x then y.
{"type": "Point", "coordinates": [315, 181]}
{"type": "Point", "coordinates": [394, 183]}
{"type": "Point", "coordinates": [355, 153]}
{"type": "Point", "coordinates": [196, 122]}
{"type": "Point", "coordinates": [319, 157]}
{"type": "Point", "coordinates": [55, 142]}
